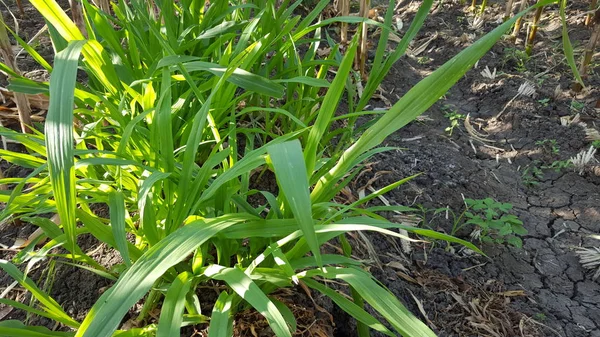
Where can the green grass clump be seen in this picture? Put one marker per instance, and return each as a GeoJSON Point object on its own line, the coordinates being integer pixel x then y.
{"type": "Point", "coordinates": [183, 107]}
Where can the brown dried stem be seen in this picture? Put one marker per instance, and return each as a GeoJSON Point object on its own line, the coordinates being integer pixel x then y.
{"type": "Point", "coordinates": [8, 56]}
{"type": "Point", "coordinates": [588, 18]}
{"type": "Point", "coordinates": [592, 43]}
{"type": "Point", "coordinates": [77, 15]}
{"type": "Point", "coordinates": [104, 5]}
{"type": "Point", "coordinates": [21, 10]}
{"type": "Point", "coordinates": [365, 6]}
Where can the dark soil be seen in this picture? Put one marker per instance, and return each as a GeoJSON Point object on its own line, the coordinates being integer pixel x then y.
{"type": "Point", "coordinates": [538, 290]}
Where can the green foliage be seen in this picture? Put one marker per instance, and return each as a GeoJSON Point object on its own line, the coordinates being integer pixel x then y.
{"type": "Point", "coordinates": [424, 60]}
{"type": "Point", "coordinates": [516, 57]}
{"type": "Point", "coordinates": [549, 146]}
{"type": "Point", "coordinates": [532, 174]}
{"type": "Point", "coordinates": [544, 101]}
{"type": "Point", "coordinates": [596, 144]}
{"type": "Point", "coordinates": [494, 221]}
{"type": "Point", "coordinates": [488, 221]}
{"type": "Point", "coordinates": [558, 165]}
{"type": "Point", "coordinates": [172, 136]}
{"type": "Point", "coordinates": [453, 116]}
{"type": "Point", "coordinates": [576, 106]}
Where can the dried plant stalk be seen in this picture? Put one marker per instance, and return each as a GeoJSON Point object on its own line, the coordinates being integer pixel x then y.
{"type": "Point", "coordinates": [21, 10]}
{"type": "Point", "coordinates": [343, 7]}
{"type": "Point", "coordinates": [365, 6]}
{"type": "Point", "coordinates": [104, 5]}
{"type": "Point", "coordinates": [77, 15]}
{"type": "Point", "coordinates": [9, 59]}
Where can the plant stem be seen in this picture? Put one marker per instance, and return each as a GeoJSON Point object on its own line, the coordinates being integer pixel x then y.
{"type": "Point", "coordinates": [588, 18]}
{"type": "Point", "coordinates": [533, 32]}
{"type": "Point", "coordinates": [365, 6]}
{"type": "Point", "coordinates": [517, 26]}
{"type": "Point", "coordinates": [589, 50]}
{"type": "Point", "coordinates": [77, 15]}
{"type": "Point", "coordinates": [344, 9]}
{"type": "Point", "coordinates": [6, 51]}
{"type": "Point", "coordinates": [21, 10]}
{"type": "Point", "coordinates": [509, 7]}
{"type": "Point", "coordinates": [473, 5]}
{"type": "Point", "coordinates": [483, 5]}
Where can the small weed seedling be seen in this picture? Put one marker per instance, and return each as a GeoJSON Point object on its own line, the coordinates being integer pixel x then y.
{"type": "Point", "coordinates": [423, 60]}
{"type": "Point", "coordinates": [493, 222]}
{"type": "Point", "coordinates": [576, 106]}
{"type": "Point", "coordinates": [519, 57]}
{"type": "Point", "coordinates": [596, 144]}
{"type": "Point", "coordinates": [532, 174]}
{"type": "Point", "coordinates": [453, 116]}
{"type": "Point", "coordinates": [558, 165]}
{"type": "Point", "coordinates": [549, 145]}
{"type": "Point", "coordinates": [544, 101]}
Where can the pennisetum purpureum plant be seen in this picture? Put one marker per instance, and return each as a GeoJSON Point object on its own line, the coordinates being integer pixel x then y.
{"type": "Point", "coordinates": [184, 106]}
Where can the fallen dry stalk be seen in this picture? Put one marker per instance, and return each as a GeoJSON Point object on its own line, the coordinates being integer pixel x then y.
{"type": "Point", "coordinates": [8, 56]}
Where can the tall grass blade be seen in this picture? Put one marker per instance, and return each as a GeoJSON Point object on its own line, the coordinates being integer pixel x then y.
{"type": "Point", "coordinates": [171, 314]}
{"type": "Point", "coordinates": [350, 307]}
{"type": "Point", "coordinates": [221, 320]}
{"type": "Point", "coordinates": [290, 170]}
{"type": "Point", "coordinates": [567, 46]}
{"type": "Point", "coordinates": [329, 106]}
{"type": "Point", "coordinates": [379, 71]}
{"type": "Point", "coordinates": [380, 299]}
{"type": "Point", "coordinates": [13, 328]}
{"type": "Point", "coordinates": [116, 204]}
{"type": "Point", "coordinates": [107, 313]}
{"type": "Point", "coordinates": [48, 303]}
{"type": "Point", "coordinates": [243, 285]}
{"type": "Point", "coordinates": [59, 137]}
